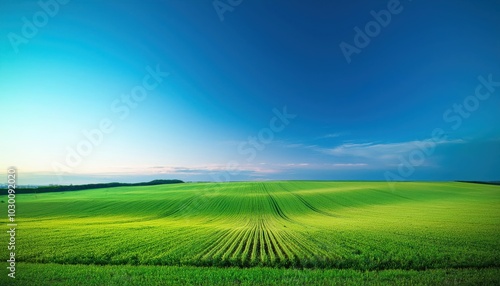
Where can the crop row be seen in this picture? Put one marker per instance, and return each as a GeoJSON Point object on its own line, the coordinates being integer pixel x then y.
{"type": "Point", "coordinates": [281, 224]}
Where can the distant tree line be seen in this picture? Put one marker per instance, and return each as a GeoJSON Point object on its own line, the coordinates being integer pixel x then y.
{"type": "Point", "coordinates": [67, 188]}
{"type": "Point", "coordinates": [481, 182]}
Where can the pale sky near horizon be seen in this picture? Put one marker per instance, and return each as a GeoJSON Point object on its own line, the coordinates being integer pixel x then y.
{"type": "Point", "coordinates": [267, 93]}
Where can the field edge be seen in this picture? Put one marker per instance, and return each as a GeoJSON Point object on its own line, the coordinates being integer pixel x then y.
{"type": "Point", "coordinates": [58, 274]}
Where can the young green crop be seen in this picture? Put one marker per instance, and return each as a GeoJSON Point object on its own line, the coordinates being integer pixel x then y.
{"type": "Point", "coordinates": [291, 224]}
{"type": "Point", "coordinates": [125, 275]}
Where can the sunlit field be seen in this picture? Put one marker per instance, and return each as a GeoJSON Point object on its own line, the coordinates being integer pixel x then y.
{"type": "Point", "coordinates": [311, 230]}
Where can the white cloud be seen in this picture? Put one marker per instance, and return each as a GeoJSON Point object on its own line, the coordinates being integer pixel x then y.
{"type": "Point", "coordinates": [318, 166]}
{"type": "Point", "coordinates": [331, 135]}
{"type": "Point", "coordinates": [383, 151]}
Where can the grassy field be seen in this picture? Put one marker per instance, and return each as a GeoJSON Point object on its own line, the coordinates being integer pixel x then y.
{"type": "Point", "coordinates": [333, 230]}
{"type": "Point", "coordinates": [58, 275]}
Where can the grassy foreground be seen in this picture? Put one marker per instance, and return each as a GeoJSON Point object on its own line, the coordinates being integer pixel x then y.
{"type": "Point", "coordinates": [356, 228]}
{"type": "Point", "coordinates": [56, 274]}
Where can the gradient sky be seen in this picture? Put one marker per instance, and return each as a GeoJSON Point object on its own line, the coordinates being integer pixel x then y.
{"type": "Point", "coordinates": [354, 121]}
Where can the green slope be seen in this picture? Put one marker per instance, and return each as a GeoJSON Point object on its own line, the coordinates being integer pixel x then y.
{"type": "Point", "coordinates": [357, 225]}
{"type": "Point", "coordinates": [122, 275]}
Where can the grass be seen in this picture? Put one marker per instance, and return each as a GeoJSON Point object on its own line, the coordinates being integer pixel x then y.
{"type": "Point", "coordinates": [123, 275]}
{"type": "Point", "coordinates": [330, 229]}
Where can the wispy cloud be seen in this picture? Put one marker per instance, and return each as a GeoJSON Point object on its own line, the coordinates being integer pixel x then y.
{"type": "Point", "coordinates": [346, 157]}
{"type": "Point", "coordinates": [317, 166]}
{"type": "Point", "coordinates": [331, 135]}
{"type": "Point", "coordinates": [382, 151]}
{"type": "Point", "coordinates": [259, 169]}
{"type": "Point", "coordinates": [247, 169]}
{"type": "Point", "coordinates": [300, 145]}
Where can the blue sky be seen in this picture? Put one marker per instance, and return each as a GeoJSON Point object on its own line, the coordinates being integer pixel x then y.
{"type": "Point", "coordinates": [256, 91]}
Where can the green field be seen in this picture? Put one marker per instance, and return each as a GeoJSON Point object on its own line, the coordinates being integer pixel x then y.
{"type": "Point", "coordinates": [311, 230]}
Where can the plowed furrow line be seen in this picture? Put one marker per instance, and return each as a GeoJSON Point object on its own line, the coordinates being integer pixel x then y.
{"type": "Point", "coordinates": [212, 248]}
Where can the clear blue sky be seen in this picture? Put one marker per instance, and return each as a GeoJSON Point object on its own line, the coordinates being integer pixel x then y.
{"type": "Point", "coordinates": [72, 67]}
